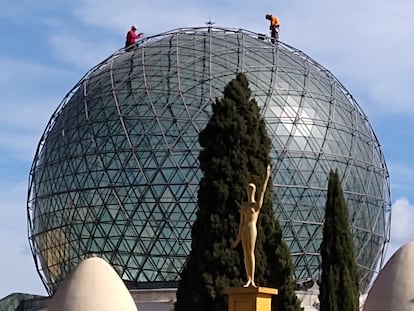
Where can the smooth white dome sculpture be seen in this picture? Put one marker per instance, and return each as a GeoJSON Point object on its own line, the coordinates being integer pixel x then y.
{"type": "Point", "coordinates": [394, 287]}
{"type": "Point", "coordinates": [93, 285]}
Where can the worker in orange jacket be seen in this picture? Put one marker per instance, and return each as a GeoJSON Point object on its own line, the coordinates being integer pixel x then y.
{"type": "Point", "coordinates": [274, 26]}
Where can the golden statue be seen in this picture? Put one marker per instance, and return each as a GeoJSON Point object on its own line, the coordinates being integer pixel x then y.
{"type": "Point", "coordinates": [249, 212]}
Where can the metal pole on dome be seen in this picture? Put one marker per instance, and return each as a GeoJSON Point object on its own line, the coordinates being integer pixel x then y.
{"type": "Point", "coordinates": [210, 23]}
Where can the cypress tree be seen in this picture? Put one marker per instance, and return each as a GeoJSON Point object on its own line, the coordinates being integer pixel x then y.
{"type": "Point", "coordinates": [235, 152]}
{"type": "Point", "coordinates": [339, 281]}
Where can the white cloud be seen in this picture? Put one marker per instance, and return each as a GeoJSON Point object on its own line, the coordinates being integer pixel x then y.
{"type": "Point", "coordinates": [357, 41]}
{"type": "Point", "coordinates": [29, 93]}
{"type": "Point", "coordinates": [18, 273]}
{"type": "Point", "coordinates": [402, 221]}
{"type": "Point", "coordinates": [366, 45]}
{"type": "Point", "coordinates": [154, 18]}
{"type": "Point", "coordinates": [18, 269]}
{"type": "Point", "coordinates": [402, 228]}
{"type": "Point", "coordinates": [402, 176]}
{"type": "Point", "coordinates": [80, 52]}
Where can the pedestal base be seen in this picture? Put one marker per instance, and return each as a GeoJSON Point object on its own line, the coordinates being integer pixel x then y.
{"type": "Point", "coordinates": [250, 298]}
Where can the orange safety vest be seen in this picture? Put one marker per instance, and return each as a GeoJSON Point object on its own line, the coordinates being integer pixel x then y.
{"type": "Point", "coordinates": [274, 21]}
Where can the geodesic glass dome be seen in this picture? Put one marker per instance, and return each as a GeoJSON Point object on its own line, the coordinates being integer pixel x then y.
{"type": "Point", "coordinates": [116, 171]}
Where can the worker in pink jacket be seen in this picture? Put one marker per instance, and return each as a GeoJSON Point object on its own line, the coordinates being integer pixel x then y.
{"type": "Point", "coordinates": [131, 38]}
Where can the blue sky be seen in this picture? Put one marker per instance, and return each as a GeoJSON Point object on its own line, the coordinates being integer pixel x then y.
{"type": "Point", "coordinates": [47, 46]}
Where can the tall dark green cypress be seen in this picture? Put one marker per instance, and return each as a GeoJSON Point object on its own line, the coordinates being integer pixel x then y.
{"type": "Point", "coordinates": [235, 152]}
{"type": "Point", "coordinates": [339, 281]}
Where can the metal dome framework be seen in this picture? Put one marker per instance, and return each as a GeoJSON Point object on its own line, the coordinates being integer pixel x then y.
{"type": "Point", "coordinates": [116, 172]}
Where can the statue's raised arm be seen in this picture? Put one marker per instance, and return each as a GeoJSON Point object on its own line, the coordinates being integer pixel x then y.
{"type": "Point", "coordinates": [264, 186]}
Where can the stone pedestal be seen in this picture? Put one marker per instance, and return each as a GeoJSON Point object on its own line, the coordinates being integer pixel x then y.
{"type": "Point", "coordinates": [250, 298]}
